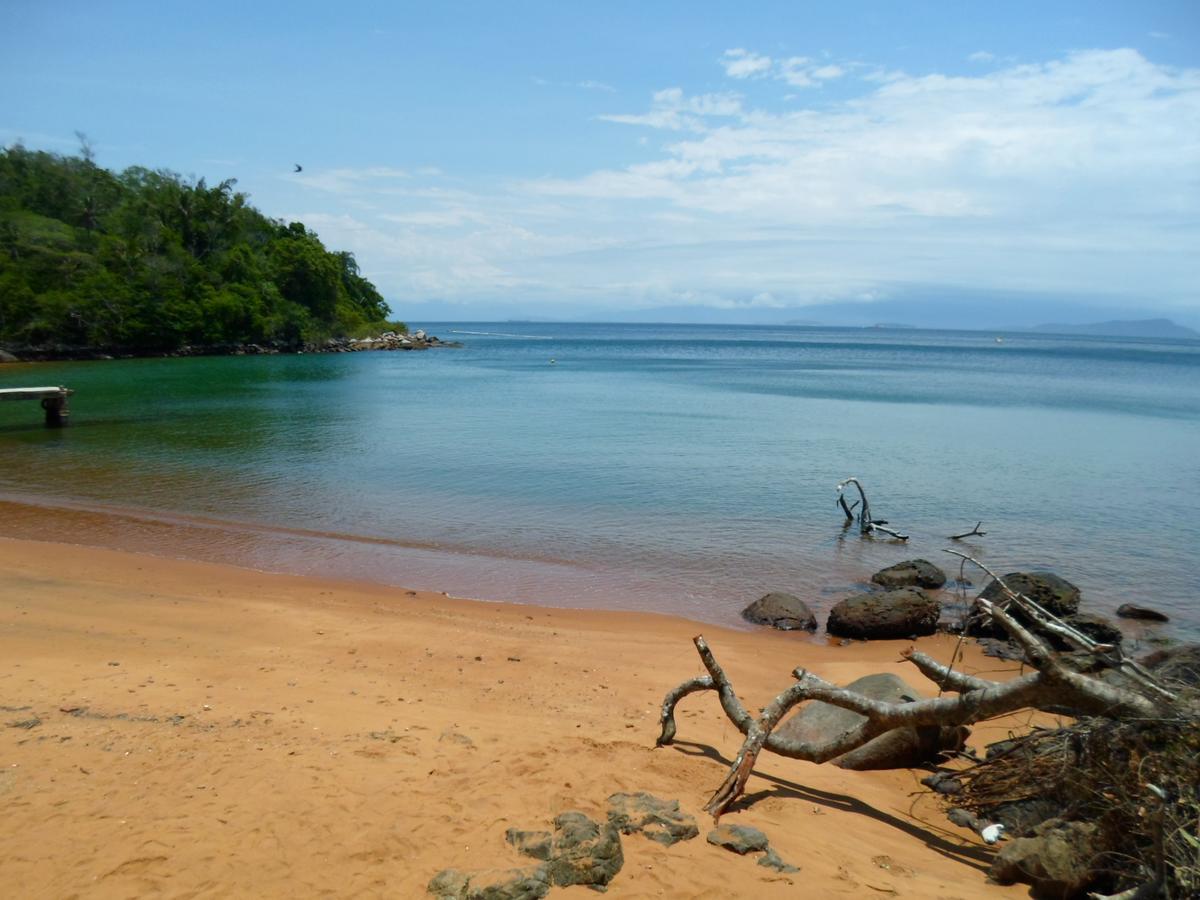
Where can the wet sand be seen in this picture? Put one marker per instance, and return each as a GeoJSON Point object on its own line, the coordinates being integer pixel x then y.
{"type": "Point", "coordinates": [190, 729]}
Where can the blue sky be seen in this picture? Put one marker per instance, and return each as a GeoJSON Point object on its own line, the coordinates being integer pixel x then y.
{"type": "Point", "coordinates": [932, 163]}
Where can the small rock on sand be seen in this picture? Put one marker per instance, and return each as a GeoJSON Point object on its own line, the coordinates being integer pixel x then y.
{"type": "Point", "coordinates": [738, 838]}
{"type": "Point", "coordinates": [660, 820]}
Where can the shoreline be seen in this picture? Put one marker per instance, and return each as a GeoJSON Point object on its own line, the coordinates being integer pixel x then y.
{"type": "Point", "coordinates": [386, 341]}
{"type": "Point", "coordinates": [486, 574]}
{"type": "Point", "coordinates": [203, 728]}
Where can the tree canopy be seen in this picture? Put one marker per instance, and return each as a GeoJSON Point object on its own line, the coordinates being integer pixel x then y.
{"type": "Point", "coordinates": [148, 261]}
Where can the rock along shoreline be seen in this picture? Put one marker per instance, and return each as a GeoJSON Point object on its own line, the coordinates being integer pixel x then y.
{"type": "Point", "coordinates": [388, 340]}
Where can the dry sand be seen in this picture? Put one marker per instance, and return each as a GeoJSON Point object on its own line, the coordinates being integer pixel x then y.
{"type": "Point", "coordinates": [211, 731]}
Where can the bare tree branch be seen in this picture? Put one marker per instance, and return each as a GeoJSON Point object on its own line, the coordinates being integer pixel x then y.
{"type": "Point", "coordinates": [966, 534]}
{"type": "Point", "coordinates": [1051, 686]}
{"type": "Point", "coordinates": [866, 525]}
{"type": "Point", "coordinates": [1049, 622]}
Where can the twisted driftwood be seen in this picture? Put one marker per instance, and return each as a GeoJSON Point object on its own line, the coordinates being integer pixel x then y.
{"type": "Point", "coordinates": [866, 525]}
{"type": "Point", "coordinates": [1051, 686]}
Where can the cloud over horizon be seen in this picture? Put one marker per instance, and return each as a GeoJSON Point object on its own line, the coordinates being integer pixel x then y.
{"type": "Point", "coordinates": [1071, 176]}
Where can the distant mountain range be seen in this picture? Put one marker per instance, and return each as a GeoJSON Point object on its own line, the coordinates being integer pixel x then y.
{"type": "Point", "coordinates": [1147, 328]}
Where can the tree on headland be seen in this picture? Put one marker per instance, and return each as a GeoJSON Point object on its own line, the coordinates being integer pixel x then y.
{"type": "Point", "coordinates": [146, 261]}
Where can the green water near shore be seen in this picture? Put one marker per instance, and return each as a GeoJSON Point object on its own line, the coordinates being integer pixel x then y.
{"type": "Point", "coordinates": [680, 469]}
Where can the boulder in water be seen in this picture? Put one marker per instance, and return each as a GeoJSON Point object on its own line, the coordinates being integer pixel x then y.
{"type": "Point", "coordinates": [899, 613]}
{"type": "Point", "coordinates": [1054, 594]}
{"type": "Point", "coordinates": [910, 573]}
{"type": "Point", "coordinates": [783, 611]}
{"type": "Point", "coordinates": [1129, 611]}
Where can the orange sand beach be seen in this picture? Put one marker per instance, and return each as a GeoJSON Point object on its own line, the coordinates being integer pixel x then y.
{"type": "Point", "coordinates": [186, 729]}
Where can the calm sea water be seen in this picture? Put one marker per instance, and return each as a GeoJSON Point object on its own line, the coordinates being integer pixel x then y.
{"type": "Point", "coordinates": [680, 469]}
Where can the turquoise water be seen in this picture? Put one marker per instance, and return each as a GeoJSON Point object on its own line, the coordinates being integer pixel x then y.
{"type": "Point", "coordinates": [681, 469]}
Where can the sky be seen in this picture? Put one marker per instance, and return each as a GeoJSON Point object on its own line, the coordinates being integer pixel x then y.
{"type": "Point", "coordinates": [928, 163]}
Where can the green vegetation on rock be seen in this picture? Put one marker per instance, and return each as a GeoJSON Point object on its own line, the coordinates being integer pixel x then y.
{"type": "Point", "coordinates": [145, 261]}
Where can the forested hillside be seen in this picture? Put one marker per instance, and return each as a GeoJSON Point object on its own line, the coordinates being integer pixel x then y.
{"type": "Point", "coordinates": [145, 261]}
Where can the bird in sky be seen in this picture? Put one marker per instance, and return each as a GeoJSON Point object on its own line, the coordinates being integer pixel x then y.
{"type": "Point", "coordinates": [299, 168]}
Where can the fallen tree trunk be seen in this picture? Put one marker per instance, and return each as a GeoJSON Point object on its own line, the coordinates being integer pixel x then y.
{"type": "Point", "coordinates": [1051, 686]}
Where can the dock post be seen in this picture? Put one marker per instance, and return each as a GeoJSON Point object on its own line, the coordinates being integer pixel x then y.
{"type": "Point", "coordinates": [57, 411]}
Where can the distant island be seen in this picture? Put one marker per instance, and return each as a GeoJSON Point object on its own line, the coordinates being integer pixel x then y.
{"type": "Point", "coordinates": [1144, 328]}
{"type": "Point", "coordinates": [145, 262]}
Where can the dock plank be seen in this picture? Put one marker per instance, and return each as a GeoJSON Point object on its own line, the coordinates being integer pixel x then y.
{"type": "Point", "coordinates": [34, 393]}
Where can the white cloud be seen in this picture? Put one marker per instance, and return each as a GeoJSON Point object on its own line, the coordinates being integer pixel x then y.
{"type": "Point", "coordinates": [673, 110]}
{"type": "Point", "coordinates": [981, 56]}
{"type": "Point", "coordinates": [346, 181]}
{"type": "Point", "coordinates": [826, 73]}
{"type": "Point", "coordinates": [1073, 175]}
{"type": "Point", "coordinates": [740, 63]}
{"type": "Point", "coordinates": [796, 71]}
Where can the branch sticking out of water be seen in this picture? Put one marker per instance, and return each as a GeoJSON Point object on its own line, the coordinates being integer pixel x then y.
{"type": "Point", "coordinates": [866, 525]}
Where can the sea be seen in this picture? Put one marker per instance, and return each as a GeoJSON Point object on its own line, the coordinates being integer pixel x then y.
{"type": "Point", "coordinates": [676, 469]}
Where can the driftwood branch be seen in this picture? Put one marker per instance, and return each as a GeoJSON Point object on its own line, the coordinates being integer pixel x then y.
{"type": "Point", "coordinates": [966, 534]}
{"type": "Point", "coordinates": [1111, 655]}
{"type": "Point", "coordinates": [866, 525]}
{"type": "Point", "coordinates": [1050, 687]}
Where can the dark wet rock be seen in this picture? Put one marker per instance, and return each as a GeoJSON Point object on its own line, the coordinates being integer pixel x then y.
{"type": "Point", "coordinates": [660, 820]}
{"type": "Point", "coordinates": [1021, 817]}
{"type": "Point", "coordinates": [1098, 628]}
{"type": "Point", "coordinates": [900, 748]}
{"type": "Point", "coordinates": [491, 884]}
{"type": "Point", "coordinates": [1056, 859]}
{"type": "Point", "coordinates": [773, 860]}
{"type": "Point", "coordinates": [584, 852]}
{"type": "Point", "coordinates": [738, 838]}
{"type": "Point", "coordinates": [389, 340]}
{"type": "Point", "coordinates": [998, 648]}
{"type": "Point", "coordinates": [1178, 665]}
{"type": "Point", "coordinates": [899, 613]}
{"type": "Point", "coordinates": [1084, 661]}
{"type": "Point", "coordinates": [1053, 593]}
{"type": "Point", "coordinates": [1129, 611]}
{"type": "Point", "coordinates": [943, 783]}
{"type": "Point", "coordinates": [530, 843]}
{"type": "Point", "coordinates": [964, 818]}
{"type": "Point", "coordinates": [910, 573]}
{"type": "Point", "coordinates": [783, 611]}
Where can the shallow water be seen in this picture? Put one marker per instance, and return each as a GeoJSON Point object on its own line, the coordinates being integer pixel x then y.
{"type": "Point", "coordinates": [680, 469]}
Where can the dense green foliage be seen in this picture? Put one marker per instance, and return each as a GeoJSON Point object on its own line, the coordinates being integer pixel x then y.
{"type": "Point", "coordinates": [145, 261]}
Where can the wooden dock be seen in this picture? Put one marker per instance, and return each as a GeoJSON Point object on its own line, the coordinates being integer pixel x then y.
{"type": "Point", "coordinates": [54, 401]}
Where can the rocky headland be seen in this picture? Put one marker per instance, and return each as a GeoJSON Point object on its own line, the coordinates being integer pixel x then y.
{"type": "Point", "coordinates": [388, 340]}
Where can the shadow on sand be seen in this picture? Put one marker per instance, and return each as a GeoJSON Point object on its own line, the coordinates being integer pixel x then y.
{"type": "Point", "coordinates": [947, 845]}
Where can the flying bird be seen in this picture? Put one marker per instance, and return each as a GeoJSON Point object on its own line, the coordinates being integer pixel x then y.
{"type": "Point", "coordinates": [299, 168]}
